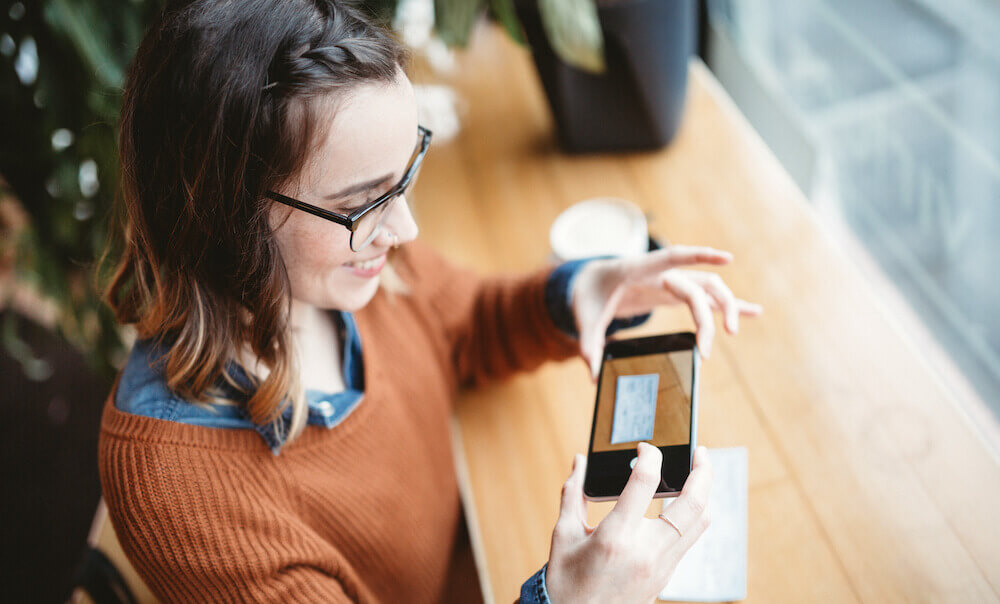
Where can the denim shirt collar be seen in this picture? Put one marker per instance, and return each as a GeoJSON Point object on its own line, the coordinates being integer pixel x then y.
{"type": "Point", "coordinates": [325, 409]}
{"type": "Point", "coordinates": [143, 391]}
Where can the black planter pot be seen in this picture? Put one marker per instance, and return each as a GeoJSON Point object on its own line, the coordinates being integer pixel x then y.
{"type": "Point", "coordinates": [638, 101]}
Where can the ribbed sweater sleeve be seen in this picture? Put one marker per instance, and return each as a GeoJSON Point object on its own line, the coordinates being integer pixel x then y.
{"type": "Point", "coordinates": [207, 524]}
{"type": "Point", "coordinates": [494, 326]}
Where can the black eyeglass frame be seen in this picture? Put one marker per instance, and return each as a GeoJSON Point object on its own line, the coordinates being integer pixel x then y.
{"type": "Point", "coordinates": [351, 220]}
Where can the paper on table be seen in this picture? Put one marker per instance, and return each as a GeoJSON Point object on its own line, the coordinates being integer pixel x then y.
{"type": "Point", "coordinates": [715, 568]}
{"type": "Point", "coordinates": [635, 408]}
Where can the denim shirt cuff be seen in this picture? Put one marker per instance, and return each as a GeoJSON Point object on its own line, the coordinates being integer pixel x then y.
{"type": "Point", "coordinates": [533, 590]}
{"type": "Point", "coordinates": [559, 298]}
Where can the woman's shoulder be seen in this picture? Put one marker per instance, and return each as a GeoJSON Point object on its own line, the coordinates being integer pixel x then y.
{"type": "Point", "coordinates": [142, 390]}
{"type": "Point", "coordinates": [143, 413]}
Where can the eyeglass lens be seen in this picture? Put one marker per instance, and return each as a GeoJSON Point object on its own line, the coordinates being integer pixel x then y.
{"type": "Point", "coordinates": [370, 225]}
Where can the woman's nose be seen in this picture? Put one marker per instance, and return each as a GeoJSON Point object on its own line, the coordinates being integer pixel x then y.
{"type": "Point", "coordinates": [399, 222]}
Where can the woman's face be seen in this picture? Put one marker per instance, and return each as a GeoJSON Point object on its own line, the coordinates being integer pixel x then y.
{"type": "Point", "coordinates": [370, 138]}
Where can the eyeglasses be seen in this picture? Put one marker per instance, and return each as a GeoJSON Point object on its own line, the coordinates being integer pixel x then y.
{"type": "Point", "coordinates": [364, 222]}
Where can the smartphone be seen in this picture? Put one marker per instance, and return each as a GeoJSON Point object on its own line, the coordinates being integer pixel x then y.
{"type": "Point", "coordinates": [647, 391]}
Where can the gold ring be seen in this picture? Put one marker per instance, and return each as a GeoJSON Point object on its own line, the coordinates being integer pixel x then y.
{"type": "Point", "coordinates": [671, 523]}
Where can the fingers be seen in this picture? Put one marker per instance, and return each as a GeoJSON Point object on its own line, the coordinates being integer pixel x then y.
{"type": "Point", "coordinates": [725, 299]}
{"type": "Point", "coordinates": [641, 486]}
{"type": "Point", "coordinates": [698, 301]}
{"type": "Point", "coordinates": [746, 309]}
{"type": "Point", "coordinates": [674, 256]}
{"type": "Point", "coordinates": [749, 309]}
{"type": "Point", "coordinates": [592, 346]}
{"type": "Point", "coordinates": [592, 335]}
{"type": "Point", "coordinates": [572, 520]}
{"type": "Point", "coordinates": [689, 511]}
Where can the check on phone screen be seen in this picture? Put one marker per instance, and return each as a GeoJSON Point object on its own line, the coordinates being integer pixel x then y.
{"type": "Point", "coordinates": [635, 408]}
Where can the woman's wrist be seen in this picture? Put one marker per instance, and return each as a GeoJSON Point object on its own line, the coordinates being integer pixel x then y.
{"type": "Point", "coordinates": [554, 585]}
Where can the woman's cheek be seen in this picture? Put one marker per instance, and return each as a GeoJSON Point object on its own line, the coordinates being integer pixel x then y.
{"type": "Point", "coordinates": [333, 250]}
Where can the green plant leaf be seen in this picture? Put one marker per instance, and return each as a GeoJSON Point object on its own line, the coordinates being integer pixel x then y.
{"type": "Point", "coordinates": [574, 31]}
{"type": "Point", "coordinates": [504, 12]}
{"type": "Point", "coordinates": [453, 19]}
{"type": "Point", "coordinates": [83, 48]}
{"type": "Point", "coordinates": [88, 30]}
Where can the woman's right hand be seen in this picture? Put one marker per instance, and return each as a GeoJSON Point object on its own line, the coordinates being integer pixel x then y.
{"type": "Point", "coordinates": [627, 557]}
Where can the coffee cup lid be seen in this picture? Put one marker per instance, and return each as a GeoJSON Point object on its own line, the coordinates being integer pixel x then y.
{"type": "Point", "coordinates": [597, 227]}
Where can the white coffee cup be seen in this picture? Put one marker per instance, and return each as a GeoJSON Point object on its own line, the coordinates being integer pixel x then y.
{"type": "Point", "coordinates": [597, 227]}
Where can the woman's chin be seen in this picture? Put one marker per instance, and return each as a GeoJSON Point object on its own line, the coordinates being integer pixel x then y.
{"type": "Point", "coordinates": [359, 297]}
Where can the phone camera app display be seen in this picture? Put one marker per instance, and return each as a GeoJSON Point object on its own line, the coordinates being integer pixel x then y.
{"type": "Point", "coordinates": [644, 398]}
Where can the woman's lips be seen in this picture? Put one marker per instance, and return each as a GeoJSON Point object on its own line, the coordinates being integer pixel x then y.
{"type": "Point", "coordinates": [367, 268]}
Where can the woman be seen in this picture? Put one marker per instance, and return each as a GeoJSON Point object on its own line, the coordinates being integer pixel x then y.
{"type": "Point", "coordinates": [280, 429]}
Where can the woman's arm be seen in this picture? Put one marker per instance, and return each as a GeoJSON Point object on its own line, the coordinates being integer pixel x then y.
{"type": "Point", "coordinates": [493, 326]}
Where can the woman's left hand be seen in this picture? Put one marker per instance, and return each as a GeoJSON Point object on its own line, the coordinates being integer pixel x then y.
{"type": "Point", "coordinates": [625, 287]}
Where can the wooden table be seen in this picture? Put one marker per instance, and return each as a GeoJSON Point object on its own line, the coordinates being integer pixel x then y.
{"type": "Point", "coordinates": [870, 475]}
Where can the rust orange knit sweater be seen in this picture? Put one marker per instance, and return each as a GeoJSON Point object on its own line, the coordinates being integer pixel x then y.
{"type": "Point", "coordinates": [365, 511]}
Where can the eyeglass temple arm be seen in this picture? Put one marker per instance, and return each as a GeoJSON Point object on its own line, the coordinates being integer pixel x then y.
{"type": "Point", "coordinates": [344, 220]}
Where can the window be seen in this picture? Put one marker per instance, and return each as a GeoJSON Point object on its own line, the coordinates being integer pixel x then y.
{"type": "Point", "coordinates": [887, 114]}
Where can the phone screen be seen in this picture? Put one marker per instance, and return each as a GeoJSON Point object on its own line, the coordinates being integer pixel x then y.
{"type": "Point", "coordinates": [646, 398]}
{"type": "Point", "coordinates": [642, 397]}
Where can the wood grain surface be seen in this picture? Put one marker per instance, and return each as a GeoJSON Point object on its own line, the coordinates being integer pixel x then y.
{"type": "Point", "coordinates": [868, 481]}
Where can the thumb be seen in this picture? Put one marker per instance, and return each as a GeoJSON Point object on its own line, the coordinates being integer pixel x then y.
{"type": "Point", "coordinates": [593, 363]}
{"type": "Point", "coordinates": [592, 348]}
{"type": "Point", "coordinates": [592, 339]}
{"type": "Point", "coordinates": [573, 508]}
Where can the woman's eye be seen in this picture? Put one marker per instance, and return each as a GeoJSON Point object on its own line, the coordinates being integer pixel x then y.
{"type": "Point", "coordinates": [361, 204]}
{"type": "Point", "coordinates": [353, 207]}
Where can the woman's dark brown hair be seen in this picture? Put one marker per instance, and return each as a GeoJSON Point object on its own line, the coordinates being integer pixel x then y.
{"type": "Point", "coordinates": [221, 103]}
